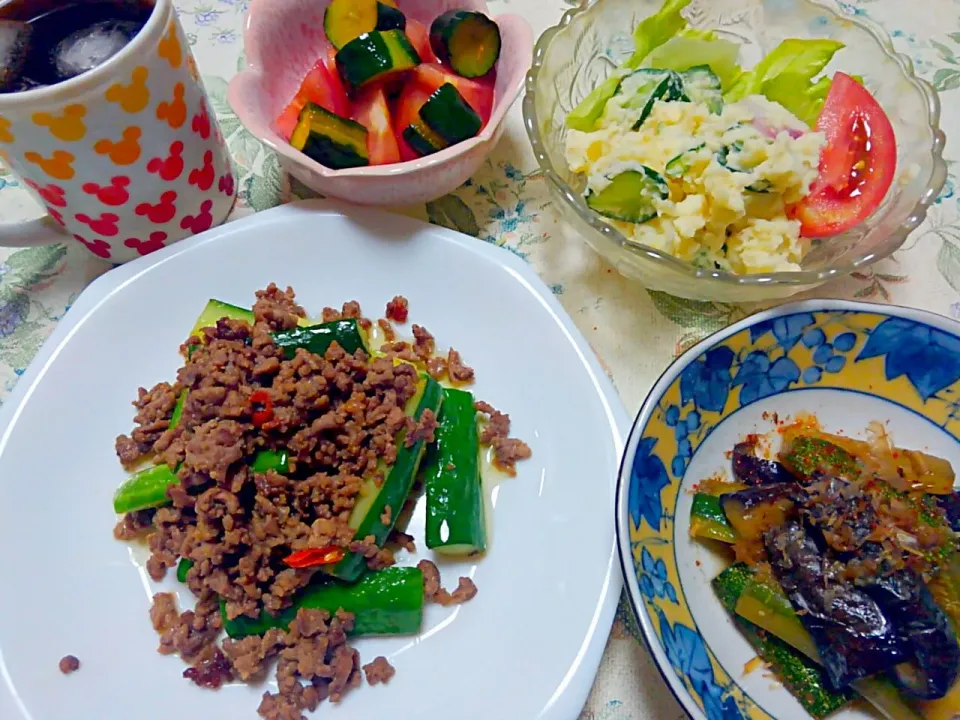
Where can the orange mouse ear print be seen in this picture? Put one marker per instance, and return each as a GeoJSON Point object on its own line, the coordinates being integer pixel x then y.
{"type": "Point", "coordinates": [123, 152]}
{"type": "Point", "coordinates": [5, 134]}
{"type": "Point", "coordinates": [169, 48]}
{"type": "Point", "coordinates": [68, 127]}
{"type": "Point", "coordinates": [134, 97]}
{"type": "Point", "coordinates": [59, 166]}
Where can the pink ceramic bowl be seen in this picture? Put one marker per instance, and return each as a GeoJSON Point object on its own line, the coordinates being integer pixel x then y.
{"type": "Point", "coordinates": [283, 40]}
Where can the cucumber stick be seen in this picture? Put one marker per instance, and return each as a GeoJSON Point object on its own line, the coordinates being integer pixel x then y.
{"type": "Point", "coordinates": [386, 602]}
{"type": "Point", "coordinates": [217, 309]}
{"type": "Point", "coordinates": [329, 139]}
{"type": "Point", "coordinates": [317, 338]}
{"type": "Point", "coordinates": [451, 478]}
{"type": "Point", "coordinates": [375, 56]}
{"type": "Point", "coordinates": [346, 20]}
{"type": "Point", "coordinates": [467, 41]}
{"type": "Point", "coordinates": [370, 516]}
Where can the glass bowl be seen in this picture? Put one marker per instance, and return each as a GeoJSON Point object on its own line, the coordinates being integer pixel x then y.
{"type": "Point", "coordinates": [592, 40]}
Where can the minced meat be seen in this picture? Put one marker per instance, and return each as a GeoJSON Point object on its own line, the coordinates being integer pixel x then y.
{"type": "Point", "coordinates": [379, 671]}
{"type": "Point", "coordinates": [496, 429]}
{"type": "Point", "coordinates": [70, 663]}
{"type": "Point", "coordinates": [397, 309]}
{"type": "Point", "coordinates": [456, 369]}
{"type": "Point", "coordinates": [433, 589]}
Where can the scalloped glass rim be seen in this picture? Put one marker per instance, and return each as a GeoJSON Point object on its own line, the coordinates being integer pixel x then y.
{"type": "Point", "coordinates": [938, 174]}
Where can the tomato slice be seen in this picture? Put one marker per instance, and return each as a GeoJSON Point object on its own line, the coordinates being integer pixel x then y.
{"type": "Point", "coordinates": [287, 120]}
{"type": "Point", "coordinates": [419, 36]}
{"type": "Point", "coordinates": [373, 112]}
{"type": "Point", "coordinates": [324, 88]}
{"type": "Point", "coordinates": [477, 92]}
{"type": "Point", "coordinates": [857, 164]}
{"type": "Point", "coordinates": [407, 110]}
{"type": "Point", "coordinates": [336, 83]}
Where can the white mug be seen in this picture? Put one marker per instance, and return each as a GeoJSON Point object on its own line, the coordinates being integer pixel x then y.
{"type": "Point", "coordinates": [127, 157]}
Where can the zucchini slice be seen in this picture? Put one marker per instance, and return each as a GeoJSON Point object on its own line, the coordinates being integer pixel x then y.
{"type": "Point", "coordinates": [630, 195]}
{"type": "Point", "coordinates": [800, 675]}
{"type": "Point", "coordinates": [468, 41]}
{"type": "Point", "coordinates": [374, 56]}
{"type": "Point", "coordinates": [642, 88]}
{"type": "Point", "coordinates": [450, 116]}
{"type": "Point", "coordinates": [369, 516]}
{"type": "Point", "coordinates": [707, 519]}
{"type": "Point", "coordinates": [346, 20]}
{"type": "Point", "coordinates": [451, 478]}
{"type": "Point", "coordinates": [700, 84]}
{"type": "Point", "coordinates": [329, 139]}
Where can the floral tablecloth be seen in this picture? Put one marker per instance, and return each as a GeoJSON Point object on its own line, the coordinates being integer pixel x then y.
{"type": "Point", "coordinates": [636, 333]}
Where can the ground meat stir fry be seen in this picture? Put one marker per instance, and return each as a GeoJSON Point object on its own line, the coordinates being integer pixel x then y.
{"type": "Point", "coordinates": [340, 419]}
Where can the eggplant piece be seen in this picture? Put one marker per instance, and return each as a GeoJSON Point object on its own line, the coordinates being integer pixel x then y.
{"type": "Point", "coordinates": [752, 470]}
{"type": "Point", "coordinates": [854, 637]}
{"type": "Point", "coordinates": [841, 511]}
{"type": "Point", "coordinates": [926, 632]}
{"type": "Point", "coordinates": [755, 510]}
{"type": "Point", "coordinates": [951, 506]}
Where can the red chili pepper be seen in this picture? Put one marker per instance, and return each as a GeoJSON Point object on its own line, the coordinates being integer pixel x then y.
{"type": "Point", "coordinates": [261, 399]}
{"type": "Point", "coordinates": [312, 557]}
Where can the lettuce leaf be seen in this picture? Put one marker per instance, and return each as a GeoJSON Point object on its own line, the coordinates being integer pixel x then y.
{"type": "Point", "coordinates": [685, 51]}
{"type": "Point", "coordinates": [798, 95]}
{"type": "Point", "coordinates": [585, 115]}
{"type": "Point", "coordinates": [798, 61]}
{"type": "Point", "coordinates": [654, 31]}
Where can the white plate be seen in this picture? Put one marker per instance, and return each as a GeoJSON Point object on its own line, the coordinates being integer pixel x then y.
{"type": "Point", "coordinates": [527, 646]}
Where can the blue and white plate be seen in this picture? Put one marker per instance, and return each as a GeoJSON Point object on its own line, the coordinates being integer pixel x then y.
{"type": "Point", "coordinates": [849, 364]}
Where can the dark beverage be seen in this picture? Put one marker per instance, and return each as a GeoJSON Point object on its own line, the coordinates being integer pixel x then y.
{"type": "Point", "coordinates": [44, 42]}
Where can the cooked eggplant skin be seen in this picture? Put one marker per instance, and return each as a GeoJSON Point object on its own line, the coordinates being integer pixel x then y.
{"type": "Point", "coordinates": [951, 506]}
{"type": "Point", "coordinates": [750, 469]}
{"type": "Point", "coordinates": [845, 518]}
{"type": "Point", "coordinates": [926, 631]}
{"type": "Point", "coordinates": [854, 637]}
{"type": "Point", "coordinates": [755, 510]}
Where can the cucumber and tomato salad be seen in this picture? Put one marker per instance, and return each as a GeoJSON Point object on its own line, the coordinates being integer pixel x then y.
{"type": "Point", "coordinates": [389, 89]}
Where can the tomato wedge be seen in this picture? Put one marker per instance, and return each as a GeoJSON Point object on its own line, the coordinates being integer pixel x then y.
{"type": "Point", "coordinates": [373, 112]}
{"type": "Point", "coordinates": [411, 99]}
{"type": "Point", "coordinates": [322, 87]}
{"type": "Point", "coordinates": [287, 120]}
{"type": "Point", "coordinates": [419, 36]}
{"type": "Point", "coordinates": [478, 92]}
{"type": "Point", "coordinates": [857, 164]}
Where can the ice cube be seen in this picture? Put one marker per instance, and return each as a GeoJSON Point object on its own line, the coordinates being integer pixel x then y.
{"type": "Point", "coordinates": [14, 47]}
{"type": "Point", "coordinates": [92, 46]}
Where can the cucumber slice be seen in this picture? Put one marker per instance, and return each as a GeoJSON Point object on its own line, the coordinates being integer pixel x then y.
{"type": "Point", "coordinates": [450, 116]}
{"type": "Point", "coordinates": [346, 20]}
{"type": "Point", "coordinates": [183, 567]}
{"type": "Point", "coordinates": [422, 139]}
{"type": "Point", "coordinates": [145, 489]}
{"type": "Point", "coordinates": [642, 88]}
{"type": "Point", "coordinates": [701, 85]}
{"type": "Point", "coordinates": [451, 478]}
{"type": "Point", "coordinates": [374, 56]}
{"type": "Point", "coordinates": [386, 602]}
{"type": "Point", "coordinates": [216, 310]}
{"type": "Point", "coordinates": [707, 519]}
{"type": "Point", "coordinates": [468, 41]}
{"type": "Point", "coordinates": [329, 139]}
{"type": "Point", "coordinates": [267, 460]}
{"type": "Point", "coordinates": [630, 196]}
{"type": "Point", "coordinates": [680, 165]}
{"type": "Point", "coordinates": [317, 338]}
{"type": "Point", "coordinates": [367, 516]}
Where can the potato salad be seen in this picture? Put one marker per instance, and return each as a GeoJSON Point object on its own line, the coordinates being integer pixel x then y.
{"type": "Point", "coordinates": [713, 187]}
